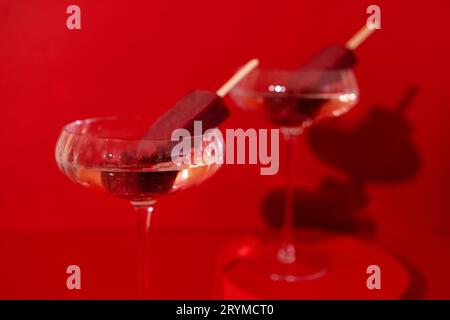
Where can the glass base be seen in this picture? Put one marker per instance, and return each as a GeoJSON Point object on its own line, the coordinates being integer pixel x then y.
{"type": "Point", "coordinates": [289, 263]}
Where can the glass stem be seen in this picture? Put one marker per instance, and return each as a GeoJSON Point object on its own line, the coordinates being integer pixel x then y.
{"type": "Point", "coordinates": [144, 212]}
{"type": "Point", "coordinates": [287, 251]}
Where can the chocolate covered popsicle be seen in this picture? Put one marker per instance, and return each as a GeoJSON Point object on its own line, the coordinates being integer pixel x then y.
{"type": "Point", "coordinates": [338, 56]}
{"type": "Point", "coordinates": [155, 147]}
{"type": "Point", "coordinates": [331, 58]}
{"type": "Point", "coordinates": [198, 105]}
{"type": "Point", "coordinates": [321, 71]}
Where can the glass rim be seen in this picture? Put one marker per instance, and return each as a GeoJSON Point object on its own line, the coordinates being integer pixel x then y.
{"type": "Point", "coordinates": [240, 89]}
{"type": "Point", "coordinates": [68, 129]}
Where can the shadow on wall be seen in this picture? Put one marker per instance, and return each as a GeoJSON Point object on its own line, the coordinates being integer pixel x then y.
{"type": "Point", "coordinates": [378, 150]}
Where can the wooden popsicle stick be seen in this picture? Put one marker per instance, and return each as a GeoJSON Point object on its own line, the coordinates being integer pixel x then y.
{"type": "Point", "coordinates": [359, 37]}
{"type": "Point", "coordinates": [238, 76]}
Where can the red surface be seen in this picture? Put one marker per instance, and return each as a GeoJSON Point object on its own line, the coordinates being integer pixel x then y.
{"type": "Point", "coordinates": [139, 57]}
{"type": "Point", "coordinates": [347, 258]}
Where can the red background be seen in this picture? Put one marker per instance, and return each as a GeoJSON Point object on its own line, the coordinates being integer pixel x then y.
{"type": "Point", "coordinates": [139, 57]}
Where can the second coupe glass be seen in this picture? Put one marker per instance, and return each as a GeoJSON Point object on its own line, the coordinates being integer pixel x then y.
{"type": "Point", "coordinates": [294, 100]}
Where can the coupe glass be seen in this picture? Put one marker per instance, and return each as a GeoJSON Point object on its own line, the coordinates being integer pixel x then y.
{"type": "Point", "coordinates": [294, 100]}
{"type": "Point", "coordinates": [112, 155]}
